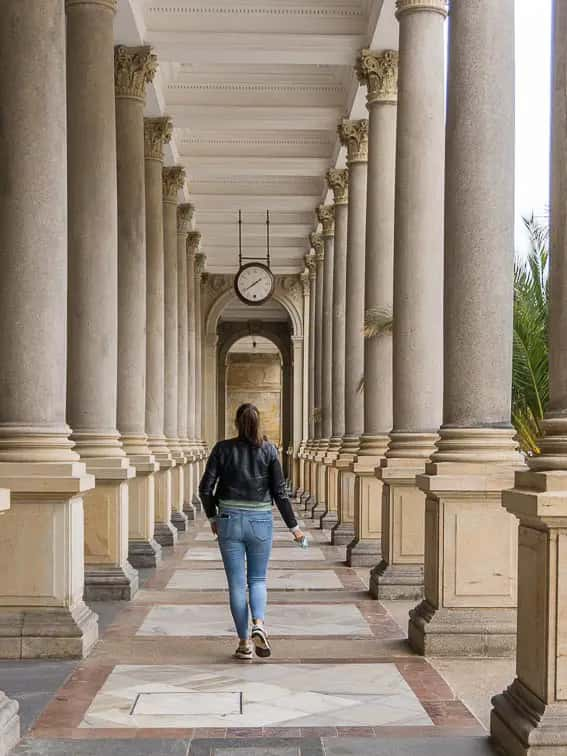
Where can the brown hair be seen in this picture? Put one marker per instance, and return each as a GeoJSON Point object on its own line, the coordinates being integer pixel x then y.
{"type": "Point", "coordinates": [248, 424]}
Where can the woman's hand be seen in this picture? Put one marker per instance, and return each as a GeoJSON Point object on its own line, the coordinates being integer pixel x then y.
{"type": "Point", "coordinates": [214, 528]}
{"type": "Point", "coordinates": [299, 535]}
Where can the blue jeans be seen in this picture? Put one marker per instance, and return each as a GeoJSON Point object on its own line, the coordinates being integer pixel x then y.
{"type": "Point", "coordinates": [245, 541]}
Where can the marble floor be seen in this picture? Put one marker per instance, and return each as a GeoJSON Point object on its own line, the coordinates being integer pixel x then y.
{"type": "Point", "coordinates": [342, 679]}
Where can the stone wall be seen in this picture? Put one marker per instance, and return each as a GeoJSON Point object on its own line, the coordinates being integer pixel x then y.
{"type": "Point", "coordinates": [255, 378]}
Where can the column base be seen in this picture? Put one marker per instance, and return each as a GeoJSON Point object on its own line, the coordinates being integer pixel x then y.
{"type": "Point", "coordinates": [47, 632]}
{"type": "Point", "coordinates": [364, 552]}
{"type": "Point", "coordinates": [189, 512]}
{"type": "Point", "coordinates": [318, 511]}
{"type": "Point", "coordinates": [342, 534]}
{"type": "Point", "coordinates": [9, 724]}
{"type": "Point", "coordinates": [462, 632]}
{"type": "Point", "coordinates": [165, 534]}
{"type": "Point", "coordinates": [110, 583]}
{"type": "Point", "coordinates": [329, 520]}
{"type": "Point", "coordinates": [197, 503]}
{"type": "Point", "coordinates": [144, 553]}
{"type": "Point", "coordinates": [397, 582]}
{"type": "Point", "coordinates": [521, 724]}
{"type": "Point", "coordinates": [179, 521]}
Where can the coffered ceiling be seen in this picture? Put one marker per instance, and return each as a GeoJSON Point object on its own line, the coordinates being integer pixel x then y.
{"type": "Point", "coordinates": [255, 90]}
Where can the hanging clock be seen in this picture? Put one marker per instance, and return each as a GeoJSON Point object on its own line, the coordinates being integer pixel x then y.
{"type": "Point", "coordinates": [254, 282]}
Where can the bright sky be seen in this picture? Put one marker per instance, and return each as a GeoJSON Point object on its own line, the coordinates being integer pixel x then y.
{"type": "Point", "coordinates": [533, 42]}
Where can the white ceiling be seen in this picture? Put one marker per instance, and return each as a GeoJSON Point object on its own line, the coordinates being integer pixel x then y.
{"type": "Point", "coordinates": [255, 90]}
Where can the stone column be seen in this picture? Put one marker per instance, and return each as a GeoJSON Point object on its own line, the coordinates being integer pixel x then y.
{"type": "Point", "coordinates": [530, 717]}
{"type": "Point", "coordinates": [93, 297]}
{"type": "Point", "coordinates": [318, 246]}
{"type": "Point", "coordinates": [173, 181]}
{"type": "Point", "coordinates": [305, 386]}
{"type": "Point", "coordinates": [418, 296]}
{"type": "Point", "coordinates": [326, 216]}
{"type": "Point", "coordinates": [470, 580]}
{"type": "Point", "coordinates": [157, 132]}
{"type": "Point", "coordinates": [134, 67]}
{"type": "Point", "coordinates": [309, 450]}
{"type": "Point", "coordinates": [42, 613]}
{"type": "Point", "coordinates": [297, 429]}
{"type": "Point", "coordinates": [379, 71]}
{"type": "Point", "coordinates": [193, 242]}
{"type": "Point", "coordinates": [200, 261]}
{"type": "Point", "coordinates": [338, 182]}
{"type": "Point", "coordinates": [354, 135]}
{"type": "Point", "coordinates": [184, 219]}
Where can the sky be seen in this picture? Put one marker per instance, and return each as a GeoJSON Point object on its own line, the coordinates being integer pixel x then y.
{"type": "Point", "coordinates": [533, 43]}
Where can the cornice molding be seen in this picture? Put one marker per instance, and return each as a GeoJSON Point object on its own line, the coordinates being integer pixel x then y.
{"type": "Point", "coordinates": [379, 72]}
{"type": "Point", "coordinates": [354, 136]}
{"type": "Point", "coordinates": [326, 216]}
{"type": "Point", "coordinates": [134, 67]}
{"type": "Point", "coordinates": [297, 11]}
{"type": "Point", "coordinates": [173, 178]}
{"type": "Point", "coordinates": [157, 132]}
{"type": "Point", "coordinates": [337, 179]}
{"type": "Point", "coordinates": [239, 87]}
{"type": "Point", "coordinates": [413, 6]}
{"type": "Point", "coordinates": [185, 215]}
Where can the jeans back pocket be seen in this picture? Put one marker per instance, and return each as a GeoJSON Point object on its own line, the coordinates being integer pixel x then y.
{"type": "Point", "coordinates": [262, 529]}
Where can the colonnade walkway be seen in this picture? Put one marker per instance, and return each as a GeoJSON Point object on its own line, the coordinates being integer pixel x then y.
{"type": "Point", "coordinates": [341, 680]}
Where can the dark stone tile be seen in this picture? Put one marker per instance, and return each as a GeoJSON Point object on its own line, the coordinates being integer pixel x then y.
{"type": "Point", "coordinates": [404, 746]}
{"type": "Point", "coordinates": [257, 747]}
{"type": "Point", "coordinates": [162, 747]}
{"type": "Point", "coordinates": [33, 684]}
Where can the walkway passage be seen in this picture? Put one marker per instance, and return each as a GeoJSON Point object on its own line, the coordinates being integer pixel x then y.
{"type": "Point", "coordinates": [341, 680]}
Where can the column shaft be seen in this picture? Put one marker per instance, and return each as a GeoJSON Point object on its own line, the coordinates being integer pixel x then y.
{"type": "Point", "coordinates": [193, 502]}
{"type": "Point", "coordinates": [42, 613]}
{"type": "Point", "coordinates": [200, 261]}
{"type": "Point", "coordinates": [133, 69]}
{"type": "Point", "coordinates": [379, 71]}
{"type": "Point", "coordinates": [418, 295]}
{"type": "Point", "coordinates": [157, 132]}
{"type": "Point", "coordinates": [93, 296]}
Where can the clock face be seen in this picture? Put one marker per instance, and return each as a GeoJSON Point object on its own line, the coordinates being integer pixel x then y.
{"type": "Point", "coordinates": [254, 283]}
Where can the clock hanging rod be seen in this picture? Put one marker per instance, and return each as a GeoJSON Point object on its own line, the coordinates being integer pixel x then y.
{"type": "Point", "coordinates": [241, 257]}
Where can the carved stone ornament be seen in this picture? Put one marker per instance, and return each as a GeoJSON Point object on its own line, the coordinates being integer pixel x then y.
{"type": "Point", "coordinates": [337, 179]}
{"type": "Point", "coordinates": [200, 261]}
{"type": "Point", "coordinates": [157, 132]}
{"type": "Point", "coordinates": [412, 6]}
{"type": "Point", "coordinates": [379, 71]}
{"type": "Point", "coordinates": [134, 67]}
{"type": "Point", "coordinates": [173, 178]}
{"type": "Point", "coordinates": [184, 217]}
{"type": "Point", "coordinates": [290, 285]}
{"type": "Point", "coordinates": [326, 217]}
{"type": "Point", "coordinates": [193, 242]}
{"type": "Point", "coordinates": [305, 281]}
{"type": "Point", "coordinates": [311, 265]}
{"type": "Point", "coordinates": [318, 245]}
{"type": "Point", "coordinates": [354, 136]}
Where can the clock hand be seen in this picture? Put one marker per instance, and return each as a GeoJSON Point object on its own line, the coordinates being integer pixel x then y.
{"type": "Point", "coordinates": [252, 285]}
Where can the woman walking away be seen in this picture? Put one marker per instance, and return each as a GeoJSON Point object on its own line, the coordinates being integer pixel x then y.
{"type": "Point", "coordinates": [248, 477]}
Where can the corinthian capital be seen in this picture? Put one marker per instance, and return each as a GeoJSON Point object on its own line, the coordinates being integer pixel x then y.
{"type": "Point", "coordinates": [193, 242]}
{"type": "Point", "coordinates": [379, 71]}
{"type": "Point", "coordinates": [337, 179]}
{"type": "Point", "coordinates": [200, 260]}
{"type": "Point", "coordinates": [413, 6]}
{"type": "Point", "coordinates": [316, 241]}
{"type": "Point", "coordinates": [304, 278]}
{"type": "Point", "coordinates": [311, 264]}
{"type": "Point", "coordinates": [134, 67]}
{"type": "Point", "coordinates": [173, 178]}
{"type": "Point", "coordinates": [184, 217]}
{"type": "Point", "coordinates": [157, 132]}
{"type": "Point", "coordinates": [354, 136]}
{"type": "Point", "coordinates": [326, 216]}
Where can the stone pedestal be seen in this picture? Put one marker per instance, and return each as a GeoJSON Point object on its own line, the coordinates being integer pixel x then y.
{"type": "Point", "coordinates": [320, 507]}
{"type": "Point", "coordinates": [9, 724]}
{"type": "Point", "coordinates": [400, 573]}
{"type": "Point", "coordinates": [331, 516]}
{"type": "Point", "coordinates": [365, 550]}
{"type": "Point", "coordinates": [143, 549]}
{"type": "Point", "coordinates": [165, 532]}
{"type": "Point", "coordinates": [343, 532]}
{"type": "Point", "coordinates": [530, 717]}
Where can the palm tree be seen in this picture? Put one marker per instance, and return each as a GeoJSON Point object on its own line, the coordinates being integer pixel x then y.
{"type": "Point", "coordinates": [530, 375]}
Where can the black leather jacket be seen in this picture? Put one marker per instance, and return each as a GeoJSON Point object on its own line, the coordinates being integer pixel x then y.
{"type": "Point", "coordinates": [243, 472]}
